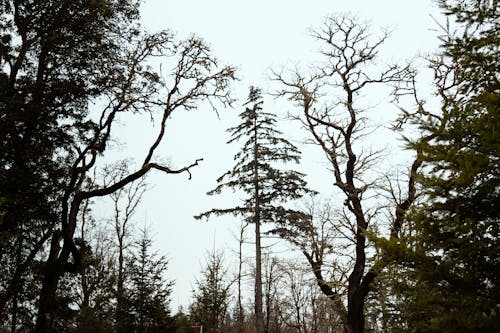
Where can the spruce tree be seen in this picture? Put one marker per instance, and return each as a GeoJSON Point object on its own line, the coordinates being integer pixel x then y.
{"type": "Point", "coordinates": [259, 175]}
{"type": "Point", "coordinates": [147, 293]}
{"type": "Point", "coordinates": [212, 295]}
{"type": "Point", "coordinates": [452, 281]}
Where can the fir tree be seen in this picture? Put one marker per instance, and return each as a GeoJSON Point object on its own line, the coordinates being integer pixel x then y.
{"type": "Point", "coordinates": [453, 262]}
{"type": "Point", "coordinates": [257, 173]}
{"type": "Point", "coordinates": [211, 299]}
{"type": "Point", "coordinates": [147, 293]}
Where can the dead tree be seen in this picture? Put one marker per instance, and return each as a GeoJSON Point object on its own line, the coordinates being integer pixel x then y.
{"type": "Point", "coordinates": [329, 99]}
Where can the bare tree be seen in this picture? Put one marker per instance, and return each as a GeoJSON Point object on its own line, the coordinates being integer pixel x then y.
{"type": "Point", "coordinates": [194, 77]}
{"type": "Point", "coordinates": [295, 282]}
{"type": "Point", "coordinates": [124, 205]}
{"type": "Point", "coordinates": [95, 286]}
{"type": "Point", "coordinates": [125, 201]}
{"type": "Point", "coordinates": [271, 293]}
{"type": "Point", "coordinates": [329, 98]}
{"type": "Point", "coordinates": [239, 277]}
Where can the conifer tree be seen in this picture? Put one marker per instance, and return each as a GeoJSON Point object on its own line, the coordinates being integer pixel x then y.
{"type": "Point", "coordinates": [211, 299]}
{"type": "Point", "coordinates": [454, 241]}
{"type": "Point", "coordinates": [147, 293]}
{"type": "Point", "coordinates": [257, 173]}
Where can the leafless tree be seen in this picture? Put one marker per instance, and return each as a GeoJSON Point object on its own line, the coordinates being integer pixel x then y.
{"type": "Point", "coordinates": [329, 97]}
{"type": "Point", "coordinates": [239, 277]}
{"type": "Point", "coordinates": [125, 201]}
{"type": "Point", "coordinates": [193, 77]}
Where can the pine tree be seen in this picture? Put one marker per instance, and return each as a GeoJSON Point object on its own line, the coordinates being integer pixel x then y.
{"type": "Point", "coordinates": [452, 277]}
{"type": "Point", "coordinates": [211, 299]}
{"type": "Point", "coordinates": [257, 173]}
{"type": "Point", "coordinates": [147, 293]}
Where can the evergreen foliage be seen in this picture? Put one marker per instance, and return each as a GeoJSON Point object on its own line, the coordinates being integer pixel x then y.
{"type": "Point", "coordinates": [257, 173]}
{"type": "Point", "coordinates": [68, 71]}
{"type": "Point", "coordinates": [147, 292]}
{"type": "Point", "coordinates": [212, 296]}
{"type": "Point", "coordinates": [451, 280]}
{"type": "Point", "coordinates": [54, 57]}
{"type": "Point", "coordinates": [258, 163]}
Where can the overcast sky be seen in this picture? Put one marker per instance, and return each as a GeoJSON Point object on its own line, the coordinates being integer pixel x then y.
{"type": "Point", "coordinates": [255, 36]}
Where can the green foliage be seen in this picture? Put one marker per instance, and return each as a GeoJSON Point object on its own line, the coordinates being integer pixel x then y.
{"type": "Point", "coordinates": [68, 71]}
{"type": "Point", "coordinates": [212, 296]}
{"type": "Point", "coordinates": [257, 171]}
{"type": "Point", "coordinates": [451, 277]}
{"type": "Point", "coordinates": [147, 293]}
{"type": "Point", "coordinates": [182, 324]}
{"type": "Point", "coordinates": [55, 56]}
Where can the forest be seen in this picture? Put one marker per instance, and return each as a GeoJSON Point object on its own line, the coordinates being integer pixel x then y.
{"type": "Point", "coordinates": [415, 249]}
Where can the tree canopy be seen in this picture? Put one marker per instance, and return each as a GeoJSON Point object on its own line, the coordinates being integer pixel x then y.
{"type": "Point", "coordinates": [454, 241]}
{"type": "Point", "coordinates": [387, 247]}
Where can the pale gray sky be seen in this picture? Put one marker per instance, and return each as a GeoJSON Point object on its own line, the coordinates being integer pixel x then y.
{"type": "Point", "coordinates": [254, 36]}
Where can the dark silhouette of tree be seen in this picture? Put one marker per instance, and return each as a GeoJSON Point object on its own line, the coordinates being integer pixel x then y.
{"type": "Point", "coordinates": [257, 174]}
{"type": "Point", "coordinates": [328, 97]}
{"type": "Point", "coordinates": [146, 293]}
{"type": "Point", "coordinates": [212, 295]}
{"type": "Point", "coordinates": [448, 280]}
{"type": "Point", "coordinates": [68, 71]}
{"type": "Point", "coordinates": [52, 61]}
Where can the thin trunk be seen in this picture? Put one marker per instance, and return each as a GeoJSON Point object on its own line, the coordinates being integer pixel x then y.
{"type": "Point", "coordinates": [268, 298]}
{"type": "Point", "coordinates": [120, 278]}
{"type": "Point", "coordinates": [84, 281]}
{"type": "Point", "coordinates": [259, 317]}
{"type": "Point", "coordinates": [240, 269]}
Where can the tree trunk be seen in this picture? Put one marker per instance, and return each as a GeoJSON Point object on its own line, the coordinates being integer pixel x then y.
{"type": "Point", "coordinates": [120, 279]}
{"type": "Point", "coordinates": [54, 269]}
{"type": "Point", "coordinates": [47, 302]}
{"type": "Point", "coordinates": [240, 269]}
{"type": "Point", "coordinates": [356, 294]}
{"type": "Point", "coordinates": [355, 314]}
{"type": "Point", "coordinates": [259, 316]}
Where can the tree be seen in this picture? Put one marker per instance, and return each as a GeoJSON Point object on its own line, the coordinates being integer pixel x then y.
{"type": "Point", "coordinates": [69, 71]}
{"type": "Point", "coordinates": [324, 239]}
{"type": "Point", "coordinates": [95, 283]}
{"type": "Point", "coordinates": [270, 284]}
{"type": "Point", "coordinates": [330, 100]}
{"type": "Point", "coordinates": [453, 244]}
{"type": "Point", "coordinates": [256, 173]}
{"type": "Point", "coordinates": [240, 311]}
{"type": "Point", "coordinates": [211, 299]}
{"type": "Point", "coordinates": [51, 60]}
{"type": "Point", "coordinates": [147, 293]}
{"type": "Point", "coordinates": [182, 323]}
{"type": "Point", "coordinates": [125, 202]}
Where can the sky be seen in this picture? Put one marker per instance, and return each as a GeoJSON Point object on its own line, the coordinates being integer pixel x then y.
{"type": "Point", "coordinates": [255, 36]}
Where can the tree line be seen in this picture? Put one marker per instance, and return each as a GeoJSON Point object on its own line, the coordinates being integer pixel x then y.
{"type": "Point", "coordinates": [413, 251]}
